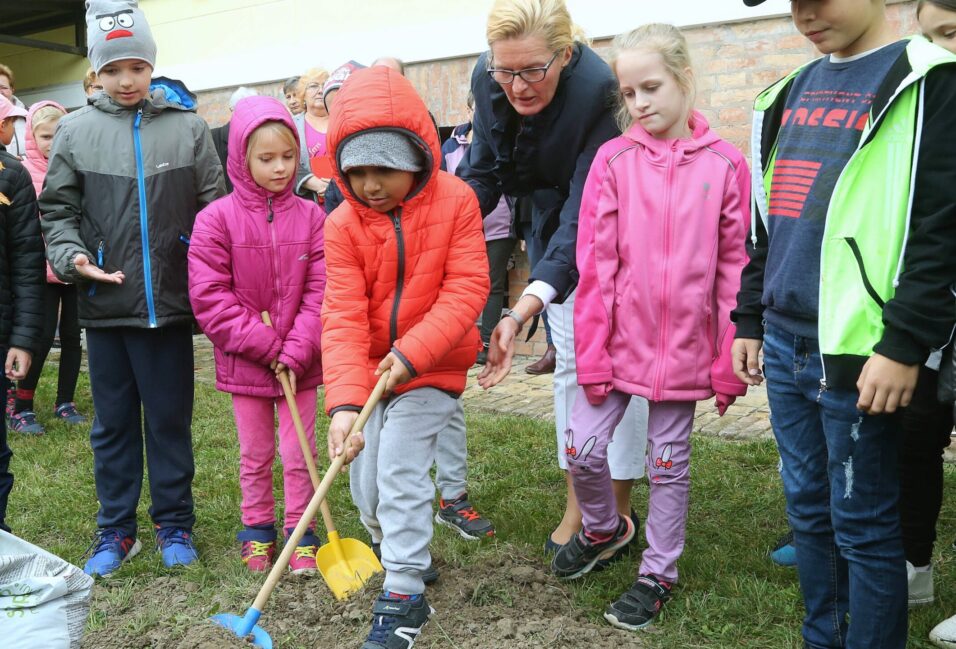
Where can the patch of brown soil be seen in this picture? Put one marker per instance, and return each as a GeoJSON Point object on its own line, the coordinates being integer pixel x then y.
{"type": "Point", "coordinates": [511, 602]}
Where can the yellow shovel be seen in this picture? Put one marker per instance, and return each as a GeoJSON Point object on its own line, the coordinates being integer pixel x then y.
{"type": "Point", "coordinates": [346, 564]}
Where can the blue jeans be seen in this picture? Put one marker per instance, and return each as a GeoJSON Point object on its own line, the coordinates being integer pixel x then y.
{"type": "Point", "coordinates": [842, 487]}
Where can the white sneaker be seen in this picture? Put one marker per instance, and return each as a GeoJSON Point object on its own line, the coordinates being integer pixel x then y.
{"type": "Point", "coordinates": [920, 583]}
{"type": "Point", "coordinates": [944, 634]}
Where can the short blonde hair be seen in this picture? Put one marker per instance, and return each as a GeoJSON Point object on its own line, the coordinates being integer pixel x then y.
{"type": "Point", "coordinates": [8, 73]}
{"type": "Point", "coordinates": [549, 19]}
{"type": "Point", "coordinates": [46, 114]}
{"type": "Point", "coordinates": [278, 128]}
{"type": "Point", "coordinates": [313, 75]}
{"type": "Point", "coordinates": [659, 38]}
{"type": "Point", "coordinates": [89, 79]}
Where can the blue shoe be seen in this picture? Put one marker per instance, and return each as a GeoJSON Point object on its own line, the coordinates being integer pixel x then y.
{"type": "Point", "coordinates": [783, 553]}
{"type": "Point", "coordinates": [67, 412]}
{"type": "Point", "coordinates": [110, 549]}
{"type": "Point", "coordinates": [551, 546]}
{"type": "Point", "coordinates": [26, 422]}
{"type": "Point", "coordinates": [176, 544]}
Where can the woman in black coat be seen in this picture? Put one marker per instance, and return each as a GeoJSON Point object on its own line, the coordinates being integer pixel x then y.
{"type": "Point", "coordinates": [544, 104]}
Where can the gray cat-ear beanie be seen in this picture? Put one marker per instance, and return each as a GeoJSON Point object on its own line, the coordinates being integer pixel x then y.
{"type": "Point", "coordinates": [116, 30]}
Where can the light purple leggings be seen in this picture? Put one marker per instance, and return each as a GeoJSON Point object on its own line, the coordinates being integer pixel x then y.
{"type": "Point", "coordinates": [669, 424]}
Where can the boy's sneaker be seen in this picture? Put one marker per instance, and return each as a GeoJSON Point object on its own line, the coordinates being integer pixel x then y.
{"type": "Point", "coordinates": [67, 412]}
{"type": "Point", "coordinates": [110, 549]}
{"type": "Point", "coordinates": [638, 607]}
{"type": "Point", "coordinates": [258, 547]}
{"type": "Point", "coordinates": [430, 576]}
{"type": "Point", "coordinates": [176, 546]}
{"type": "Point", "coordinates": [783, 552]}
{"type": "Point", "coordinates": [397, 620]}
{"type": "Point", "coordinates": [26, 422]}
{"type": "Point", "coordinates": [303, 557]}
{"type": "Point", "coordinates": [460, 516]}
{"type": "Point", "coordinates": [919, 583]}
{"type": "Point", "coordinates": [579, 555]}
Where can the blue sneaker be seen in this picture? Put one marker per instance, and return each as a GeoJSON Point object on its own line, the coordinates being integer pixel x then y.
{"type": "Point", "coordinates": [67, 412]}
{"type": "Point", "coordinates": [783, 553]}
{"type": "Point", "coordinates": [26, 422]}
{"type": "Point", "coordinates": [397, 620]}
{"type": "Point", "coordinates": [176, 544]}
{"type": "Point", "coordinates": [110, 549]}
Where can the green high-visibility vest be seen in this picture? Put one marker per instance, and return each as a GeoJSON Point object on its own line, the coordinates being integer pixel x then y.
{"type": "Point", "coordinates": [868, 217]}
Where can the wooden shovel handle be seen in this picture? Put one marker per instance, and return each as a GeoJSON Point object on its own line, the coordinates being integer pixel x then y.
{"type": "Point", "coordinates": [303, 438]}
{"type": "Point", "coordinates": [318, 497]}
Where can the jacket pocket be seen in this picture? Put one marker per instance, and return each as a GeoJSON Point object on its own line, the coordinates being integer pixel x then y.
{"type": "Point", "coordinates": [858, 256]}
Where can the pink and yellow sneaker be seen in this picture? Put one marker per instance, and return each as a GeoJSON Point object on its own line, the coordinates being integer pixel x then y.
{"type": "Point", "coordinates": [303, 557]}
{"type": "Point", "coordinates": [258, 547]}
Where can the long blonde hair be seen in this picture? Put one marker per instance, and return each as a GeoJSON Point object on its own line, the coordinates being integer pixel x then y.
{"type": "Point", "coordinates": [669, 42]}
{"type": "Point", "coordinates": [546, 18]}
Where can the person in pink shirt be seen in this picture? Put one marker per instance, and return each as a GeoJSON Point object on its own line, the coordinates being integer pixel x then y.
{"type": "Point", "coordinates": [261, 248]}
{"type": "Point", "coordinates": [660, 249]}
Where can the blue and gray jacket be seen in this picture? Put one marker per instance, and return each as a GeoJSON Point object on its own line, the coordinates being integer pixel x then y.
{"type": "Point", "coordinates": [123, 187]}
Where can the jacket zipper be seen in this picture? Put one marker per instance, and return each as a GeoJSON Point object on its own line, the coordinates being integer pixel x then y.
{"type": "Point", "coordinates": [396, 218]}
{"type": "Point", "coordinates": [275, 262]}
{"type": "Point", "coordinates": [662, 336]}
{"type": "Point", "coordinates": [144, 219]}
{"type": "Point", "coordinates": [99, 264]}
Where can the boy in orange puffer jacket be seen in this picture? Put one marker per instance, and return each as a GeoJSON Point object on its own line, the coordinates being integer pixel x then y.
{"type": "Point", "coordinates": [407, 278]}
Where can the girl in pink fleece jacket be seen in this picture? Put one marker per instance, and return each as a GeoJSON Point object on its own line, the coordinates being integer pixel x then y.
{"type": "Point", "coordinates": [261, 249]}
{"type": "Point", "coordinates": [660, 249]}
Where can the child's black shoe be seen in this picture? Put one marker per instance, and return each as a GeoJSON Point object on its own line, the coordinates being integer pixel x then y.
{"type": "Point", "coordinates": [397, 620]}
{"type": "Point", "coordinates": [578, 556]}
{"type": "Point", "coordinates": [638, 607]}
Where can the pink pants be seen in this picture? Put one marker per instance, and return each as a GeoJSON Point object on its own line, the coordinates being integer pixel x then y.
{"type": "Point", "coordinates": [255, 423]}
{"type": "Point", "coordinates": [669, 424]}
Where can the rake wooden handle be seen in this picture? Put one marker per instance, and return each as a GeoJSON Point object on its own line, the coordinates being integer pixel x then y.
{"type": "Point", "coordinates": [303, 438]}
{"type": "Point", "coordinates": [319, 497]}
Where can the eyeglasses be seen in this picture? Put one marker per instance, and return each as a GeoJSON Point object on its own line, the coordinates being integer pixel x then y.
{"type": "Point", "coordinates": [529, 75]}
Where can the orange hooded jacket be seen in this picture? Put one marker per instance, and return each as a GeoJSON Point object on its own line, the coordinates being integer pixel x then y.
{"type": "Point", "coordinates": [412, 281]}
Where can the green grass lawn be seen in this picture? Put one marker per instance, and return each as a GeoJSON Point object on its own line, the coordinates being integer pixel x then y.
{"type": "Point", "coordinates": [730, 594]}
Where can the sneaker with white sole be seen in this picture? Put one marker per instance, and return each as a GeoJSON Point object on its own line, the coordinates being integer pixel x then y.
{"type": "Point", "coordinates": [638, 607]}
{"type": "Point", "coordinates": [459, 515]}
{"type": "Point", "coordinates": [920, 584]}
{"type": "Point", "coordinates": [944, 634]}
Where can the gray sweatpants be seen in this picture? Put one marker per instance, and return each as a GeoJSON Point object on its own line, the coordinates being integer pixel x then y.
{"type": "Point", "coordinates": [391, 485]}
{"type": "Point", "coordinates": [451, 457]}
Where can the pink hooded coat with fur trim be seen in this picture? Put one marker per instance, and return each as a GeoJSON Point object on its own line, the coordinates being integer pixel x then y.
{"type": "Point", "coordinates": [660, 250]}
{"type": "Point", "coordinates": [255, 251]}
{"type": "Point", "coordinates": [37, 165]}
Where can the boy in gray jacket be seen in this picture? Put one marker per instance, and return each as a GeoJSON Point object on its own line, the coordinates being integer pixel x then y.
{"type": "Point", "coordinates": [127, 176]}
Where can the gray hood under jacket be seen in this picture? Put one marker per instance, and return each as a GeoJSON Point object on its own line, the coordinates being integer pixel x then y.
{"type": "Point", "coordinates": [123, 187]}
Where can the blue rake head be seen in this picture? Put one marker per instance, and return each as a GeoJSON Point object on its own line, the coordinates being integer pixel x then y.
{"type": "Point", "coordinates": [245, 625]}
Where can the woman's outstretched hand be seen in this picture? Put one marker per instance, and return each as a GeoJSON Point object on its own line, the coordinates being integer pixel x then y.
{"type": "Point", "coordinates": [501, 349]}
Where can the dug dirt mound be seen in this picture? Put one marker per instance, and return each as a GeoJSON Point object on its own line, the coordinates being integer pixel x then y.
{"type": "Point", "coordinates": [509, 601]}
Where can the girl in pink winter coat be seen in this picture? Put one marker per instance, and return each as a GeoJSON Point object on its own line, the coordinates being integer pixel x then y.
{"type": "Point", "coordinates": [660, 249]}
{"type": "Point", "coordinates": [59, 300]}
{"type": "Point", "coordinates": [261, 249]}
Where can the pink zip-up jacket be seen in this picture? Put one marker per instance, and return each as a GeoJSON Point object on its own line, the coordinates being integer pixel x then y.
{"type": "Point", "coordinates": [253, 251]}
{"type": "Point", "coordinates": [37, 165]}
{"type": "Point", "coordinates": [660, 250]}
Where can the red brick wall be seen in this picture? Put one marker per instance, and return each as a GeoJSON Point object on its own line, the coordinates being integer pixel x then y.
{"type": "Point", "coordinates": [732, 62]}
